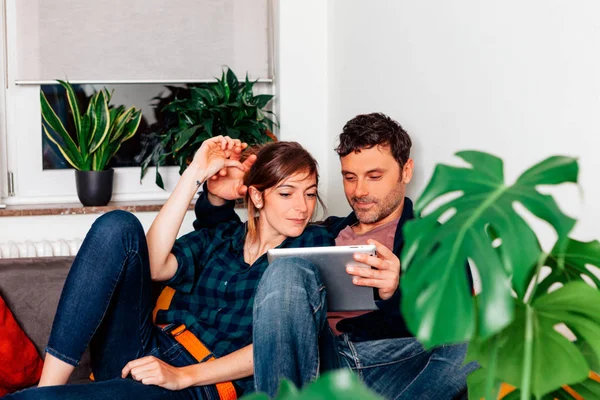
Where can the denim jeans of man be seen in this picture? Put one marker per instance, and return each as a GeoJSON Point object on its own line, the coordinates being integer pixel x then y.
{"type": "Point", "coordinates": [107, 304]}
{"type": "Point", "coordinates": [293, 340]}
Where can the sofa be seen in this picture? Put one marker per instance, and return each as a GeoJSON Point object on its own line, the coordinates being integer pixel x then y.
{"type": "Point", "coordinates": [31, 288]}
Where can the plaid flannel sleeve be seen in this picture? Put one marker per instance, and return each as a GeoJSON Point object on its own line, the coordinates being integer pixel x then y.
{"type": "Point", "coordinates": [188, 250]}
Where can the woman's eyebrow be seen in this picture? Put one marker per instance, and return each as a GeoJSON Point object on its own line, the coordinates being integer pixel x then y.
{"type": "Point", "coordinates": [289, 185]}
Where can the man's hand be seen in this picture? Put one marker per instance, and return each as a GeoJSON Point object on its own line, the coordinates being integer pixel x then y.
{"type": "Point", "coordinates": [387, 275]}
{"type": "Point", "coordinates": [153, 371]}
{"type": "Point", "coordinates": [215, 154]}
{"type": "Point", "coordinates": [228, 183]}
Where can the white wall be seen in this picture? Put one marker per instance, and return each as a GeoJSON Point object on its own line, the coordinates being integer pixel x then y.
{"type": "Point", "coordinates": [302, 88]}
{"type": "Point", "coordinates": [519, 79]}
{"type": "Point", "coordinates": [68, 227]}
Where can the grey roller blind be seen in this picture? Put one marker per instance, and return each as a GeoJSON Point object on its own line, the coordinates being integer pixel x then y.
{"type": "Point", "coordinates": [153, 40]}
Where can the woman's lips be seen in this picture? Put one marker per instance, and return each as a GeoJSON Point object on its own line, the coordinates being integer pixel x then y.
{"type": "Point", "coordinates": [298, 221]}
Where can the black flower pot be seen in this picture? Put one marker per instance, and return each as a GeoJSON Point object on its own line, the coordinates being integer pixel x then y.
{"type": "Point", "coordinates": [94, 188]}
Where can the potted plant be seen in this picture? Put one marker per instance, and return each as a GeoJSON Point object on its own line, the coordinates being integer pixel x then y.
{"type": "Point", "coordinates": [98, 135]}
{"type": "Point", "coordinates": [535, 323]}
{"type": "Point", "coordinates": [201, 111]}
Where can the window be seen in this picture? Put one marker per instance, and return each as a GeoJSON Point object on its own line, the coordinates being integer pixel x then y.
{"type": "Point", "coordinates": [171, 43]}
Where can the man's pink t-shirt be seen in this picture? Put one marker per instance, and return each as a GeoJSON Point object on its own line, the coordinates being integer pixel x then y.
{"type": "Point", "coordinates": [384, 234]}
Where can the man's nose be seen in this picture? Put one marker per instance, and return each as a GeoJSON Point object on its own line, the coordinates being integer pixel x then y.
{"type": "Point", "coordinates": [361, 189]}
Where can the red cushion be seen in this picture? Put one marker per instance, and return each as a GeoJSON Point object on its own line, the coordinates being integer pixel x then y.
{"type": "Point", "coordinates": [20, 364]}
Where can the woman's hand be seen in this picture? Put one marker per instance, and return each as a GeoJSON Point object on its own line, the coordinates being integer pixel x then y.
{"type": "Point", "coordinates": [153, 371]}
{"type": "Point", "coordinates": [216, 153]}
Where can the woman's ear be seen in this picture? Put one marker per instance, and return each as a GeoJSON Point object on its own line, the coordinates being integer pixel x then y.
{"type": "Point", "coordinates": [256, 197]}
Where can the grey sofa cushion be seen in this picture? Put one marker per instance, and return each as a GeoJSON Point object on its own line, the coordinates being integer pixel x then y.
{"type": "Point", "coordinates": [31, 288]}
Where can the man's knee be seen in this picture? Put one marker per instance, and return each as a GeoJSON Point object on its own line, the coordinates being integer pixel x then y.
{"type": "Point", "coordinates": [291, 271]}
{"type": "Point", "coordinates": [288, 282]}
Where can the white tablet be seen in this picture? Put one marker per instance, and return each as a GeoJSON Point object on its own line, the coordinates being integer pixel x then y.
{"type": "Point", "coordinates": [342, 294]}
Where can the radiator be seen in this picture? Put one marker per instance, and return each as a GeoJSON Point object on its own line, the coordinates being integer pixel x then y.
{"type": "Point", "coordinates": [44, 248]}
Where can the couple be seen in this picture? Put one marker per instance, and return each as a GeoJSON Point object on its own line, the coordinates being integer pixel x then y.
{"type": "Point", "coordinates": [267, 322]}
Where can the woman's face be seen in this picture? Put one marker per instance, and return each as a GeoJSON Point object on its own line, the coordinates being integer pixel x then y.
{"type": "Point", "coordinates": [289, 205]}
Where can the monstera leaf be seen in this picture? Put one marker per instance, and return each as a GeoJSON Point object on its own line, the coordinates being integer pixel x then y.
{"type": "Point", "coordinates": [569, 262]}
{"type": "Point", "coordinates": [436, 298]}
{"type": "Point", "coordinates": [588, 389]}
{"type": "Point", "coordinates": [555, 360]}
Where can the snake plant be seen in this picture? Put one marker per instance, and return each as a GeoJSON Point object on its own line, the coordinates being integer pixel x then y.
{"type": "Point", "coordinates": [99, 132]}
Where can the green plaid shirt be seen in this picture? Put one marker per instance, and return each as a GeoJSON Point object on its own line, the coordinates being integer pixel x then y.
{"type": "Point", "coordinates": [215, 287]}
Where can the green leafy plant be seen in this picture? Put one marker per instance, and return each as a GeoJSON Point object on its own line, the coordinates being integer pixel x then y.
{"type": "Point", "coordinates": [227, 107]}
{"type": "Point", "coordinates": [522, 326]}
{"type": "Point", "coordinates": [99, 132]}
{"type": "Point", "coordinates": [341, 384]}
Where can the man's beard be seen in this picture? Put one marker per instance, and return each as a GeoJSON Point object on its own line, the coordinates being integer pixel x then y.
{"type": "Point", "coordinates": [382, 208]}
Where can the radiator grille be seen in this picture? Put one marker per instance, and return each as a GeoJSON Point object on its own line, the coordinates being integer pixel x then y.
{"type": "Point", "coordinates": [44, 248]}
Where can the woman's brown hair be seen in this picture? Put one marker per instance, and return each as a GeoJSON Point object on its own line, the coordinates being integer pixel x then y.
{"type": "Point", "coordinates": [275, 162]}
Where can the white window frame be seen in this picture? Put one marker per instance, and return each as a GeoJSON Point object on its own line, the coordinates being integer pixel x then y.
{"type": "Point", "coordinates": [21, 144]}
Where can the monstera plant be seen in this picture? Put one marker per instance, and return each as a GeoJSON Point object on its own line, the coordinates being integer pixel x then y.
{"type": "Point", "coordinates": [535, 331]}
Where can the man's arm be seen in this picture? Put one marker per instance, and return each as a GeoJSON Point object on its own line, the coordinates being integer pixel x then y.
{"type": "Point", "coordinates": [209, 214]}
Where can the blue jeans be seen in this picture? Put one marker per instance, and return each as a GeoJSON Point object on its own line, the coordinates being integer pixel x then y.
{"type": "Point", "coordinates": [107, 304]}
{"type": "Point", "coordinates": [292, 340]}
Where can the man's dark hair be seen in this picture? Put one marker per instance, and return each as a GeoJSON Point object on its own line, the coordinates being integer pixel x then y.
{"type": "Point", "coordinates": [370, 130]}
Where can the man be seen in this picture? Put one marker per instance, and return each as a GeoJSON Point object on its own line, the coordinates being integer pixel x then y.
{"type": "Point", "coordinates": [291, 335]}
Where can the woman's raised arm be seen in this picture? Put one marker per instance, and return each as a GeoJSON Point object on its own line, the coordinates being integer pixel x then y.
{"type": "Point", "coordinates": [213, 155]}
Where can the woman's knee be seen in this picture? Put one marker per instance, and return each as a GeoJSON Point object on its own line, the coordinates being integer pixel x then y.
{"type": "Point", "coordinates": [117, 223]}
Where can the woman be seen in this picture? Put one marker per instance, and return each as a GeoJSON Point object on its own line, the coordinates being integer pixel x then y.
{"type": "Point", "coordinates": [107, 302]}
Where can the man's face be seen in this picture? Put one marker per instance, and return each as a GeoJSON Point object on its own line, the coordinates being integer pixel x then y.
{"type": "Point", "coordinates": [374, 184]}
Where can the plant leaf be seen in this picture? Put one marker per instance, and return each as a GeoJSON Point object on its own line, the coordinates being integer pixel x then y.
{"type": "Point", "coordinates": [72, 99]}
{"type": "Point", "coordinates": [61, 137]}
{"type": "Point", "coordinates": [70, 155]}
{"type": "Point", "coordinates": [575, 256]}
{"type": "Point", "coordinates": [131, 126]}
{"type": "Point", "coordinates": [101, 121]}
{"type": "Point", "coordinates": [431, 306]}
{"type": "Point", "coordinates": [588, 389]}
{"type": "Point", "coordinates": [159, 181]}
{"type": "Point", "coordinates": [477, 381]}
{"type": "Point", "coordinates": [262, 100]}
{"type": "Point", "coordinates": [556, 360]}
{"type": "Point", "coordinates": [232, 81]}
{"type": "Point", "coordinates": [184, 136]}
{"type": "Point", "coordinates": [286, 390]}
{"type": "Point", "coordinates": [341, 384]}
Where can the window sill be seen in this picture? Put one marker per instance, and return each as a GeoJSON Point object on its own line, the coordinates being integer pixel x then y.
{"type": "Point", "coordinates": [78, 209]}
